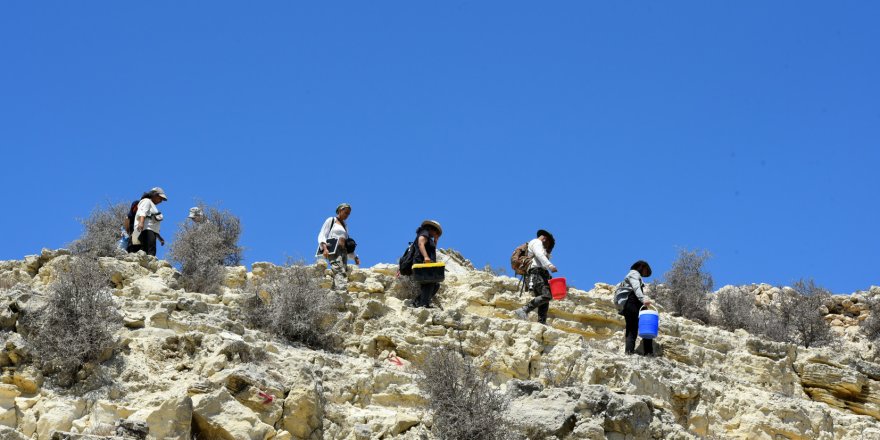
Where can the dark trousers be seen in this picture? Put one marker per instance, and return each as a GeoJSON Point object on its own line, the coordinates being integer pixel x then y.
{"type": "Point", "coordinates": [539, 280]}
{"type": "Point", "coordinates": [148, 242]}
{"type": "Point", "coordinates": [426, 294]}
{"type": "Point", "coordinates": [631, 315]}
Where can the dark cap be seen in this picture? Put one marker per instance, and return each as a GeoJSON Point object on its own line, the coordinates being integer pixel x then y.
{"type": "Point", "coordinates": [544, 233]}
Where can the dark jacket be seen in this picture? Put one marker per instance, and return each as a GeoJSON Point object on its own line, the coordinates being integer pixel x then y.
{"type": "Point", "coordinates": [430, 247]}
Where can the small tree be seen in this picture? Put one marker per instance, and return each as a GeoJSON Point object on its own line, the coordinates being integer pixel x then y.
{"type": "Point", "coordinates": [290, 303]}
{"type": "Point", "coordinates": [202, 249]}
{"type": "Point", "coordinates": [102, 230]}
{"type": "Point", "coordinates": [76, 325]}
{"type": "Point", "coordinates": [462, 401]}
{"type": "Point", "coordinates": [686, 286]}
{"type": "Point", "coordinates": [800, 313]}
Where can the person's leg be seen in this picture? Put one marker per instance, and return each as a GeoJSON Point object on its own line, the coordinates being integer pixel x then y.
{"type": "Point", "coordinates": [338, 268]}
{"type": "Point", "coordinates": [632, 329]}
{"type": "Point", "coordinates": [426, 292]}
{"type": "Point", "coordinates": [541, 290]}
{"type": "Point", "coordinates": [649, 346]}
{"type": "Point", "coordinates": [148, 242]}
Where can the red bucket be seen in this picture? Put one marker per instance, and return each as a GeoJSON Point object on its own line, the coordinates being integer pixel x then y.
{"type": "Point", "coordinates": [558, 288]}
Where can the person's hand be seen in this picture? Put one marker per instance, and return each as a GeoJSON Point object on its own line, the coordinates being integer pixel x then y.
{"type": "Point", "coordinates": [553, 268]}
{"type": "Point", "coordinates": [427, 260]}
{"type": "Point", "coordinates": [326, 253]}
{"type": "Point", "coordinates": [162, 241]}
{"type": "Point", "coordinates": [647, 302]}
{"type": "Point", "coordinates": [140, 228]}
{"type": "Point", "coordinates": [357, 260]}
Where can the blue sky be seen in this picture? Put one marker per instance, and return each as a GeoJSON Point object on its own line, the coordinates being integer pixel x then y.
{"type": "Point", "coordinates": [628, 129]}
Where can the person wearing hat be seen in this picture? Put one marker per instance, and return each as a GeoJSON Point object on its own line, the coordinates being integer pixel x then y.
{"type": "Point", "coordinates": [427, 236]}
{"type": "Point", "coordinates": [635, 299]}
{"type": "Point", "coordinates": [538, 276]}
{"type": "Point", "coordinates": [148, 220]}
{"type": "Point", "coordinates": [335, 231]}
{"type": "Point", "coordinates": [196, 214]}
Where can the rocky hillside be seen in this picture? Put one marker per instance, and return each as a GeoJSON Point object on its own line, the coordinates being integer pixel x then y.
{"type": "Point", "coordinates": [185, 366]}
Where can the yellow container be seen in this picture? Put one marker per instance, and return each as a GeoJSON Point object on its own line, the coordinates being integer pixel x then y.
{"type": "Point", "coordinates": [429, 272]}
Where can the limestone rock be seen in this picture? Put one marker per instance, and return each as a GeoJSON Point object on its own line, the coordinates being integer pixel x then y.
{"type": "Point", "coordinates": [172, 420]}
{"type": "Point", "coordinates": [219, 415]}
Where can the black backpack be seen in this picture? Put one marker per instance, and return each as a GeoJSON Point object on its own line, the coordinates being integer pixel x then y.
{"type": "Point", "coordinates": [131, 213]}
{"type": "Point", "coordinates": [407, 260]}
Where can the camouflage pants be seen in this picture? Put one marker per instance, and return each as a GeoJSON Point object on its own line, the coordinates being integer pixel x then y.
{"type": "Point", "coordinates": [339, 267]}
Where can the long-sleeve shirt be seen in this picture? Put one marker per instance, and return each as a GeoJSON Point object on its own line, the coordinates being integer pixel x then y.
{"type": "Point", "coordinates": [538, 254]}
{"type": "Point", "coordinates": [634, 282]}
{"type": "Point", "coordinates": [332, 228]}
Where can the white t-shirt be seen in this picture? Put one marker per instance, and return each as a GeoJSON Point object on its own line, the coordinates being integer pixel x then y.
{"type": "Point", "coordinates": [148, 209]}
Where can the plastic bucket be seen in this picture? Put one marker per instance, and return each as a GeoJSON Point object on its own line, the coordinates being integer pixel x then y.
{"type": "Point", "coordinates": [558, 288]}
{"type": "Point", "coordinates": [649, 323]}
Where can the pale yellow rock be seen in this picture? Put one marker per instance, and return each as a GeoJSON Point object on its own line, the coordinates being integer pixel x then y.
{"type": "Point", "coordinates": [218, 415]}
{"type": "Point", "coordinates": [172, 420]}
{"type": "Point", "coordinates": [57, 415]}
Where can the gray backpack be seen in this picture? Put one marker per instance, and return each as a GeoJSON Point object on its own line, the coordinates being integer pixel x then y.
{"type": "Point", "coordinates": [622, 293]}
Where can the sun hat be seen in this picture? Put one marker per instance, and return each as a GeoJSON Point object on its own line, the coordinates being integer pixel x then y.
{"type": "Point", "coordinates": [159, 192]}
{"type": "Point", "coordinates": [544, 233]}
{"type": "Point", "coordinates": [195, 212]}
{"type": "Point", "coordinates": [342, 206]}
{"type": "Point", "coordinates": [433, 223]}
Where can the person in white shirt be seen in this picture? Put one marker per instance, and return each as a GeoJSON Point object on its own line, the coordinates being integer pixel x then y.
{"type": "Point", "coordinates": [538, 276]}
{"type": "Point", "coordinates": [335, 231]}
{"type": "Point", "coordinates": [148, 219]}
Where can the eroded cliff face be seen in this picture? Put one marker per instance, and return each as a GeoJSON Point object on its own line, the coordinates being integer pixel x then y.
{"type": "Point", "coordinates": [186, 366]}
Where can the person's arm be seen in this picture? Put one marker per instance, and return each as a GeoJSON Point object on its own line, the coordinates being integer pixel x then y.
{"type": "Point", "coordinates": [125, 224]}
{"type": "Point", "coordinates": [636, 283]}
{"type": "Point", "coordinates": [422, 241]}
{"type": "Point", "coordinates": [322, 236]}
{"type": "Point", "coordinates": [537, 249]}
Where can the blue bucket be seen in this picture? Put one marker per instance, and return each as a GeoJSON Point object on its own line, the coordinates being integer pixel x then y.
{"type": "Point", "coordinates": [649, 323]}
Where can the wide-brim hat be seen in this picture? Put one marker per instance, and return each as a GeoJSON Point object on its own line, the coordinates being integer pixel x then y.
{"type": "Point", "coordinates": [195, 212]}
{"type": "Point", "coordinates": [159, 192]}
{"type": "Point", "coordinates": [544, 233]}
{"type": "Point", "coordinates": [433, 223]}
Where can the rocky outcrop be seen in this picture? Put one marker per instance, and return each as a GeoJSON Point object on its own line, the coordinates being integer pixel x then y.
{"type": "Point", "coordinates": [187, 366]}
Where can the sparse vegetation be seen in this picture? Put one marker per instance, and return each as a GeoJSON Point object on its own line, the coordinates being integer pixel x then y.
{"type": "Point", "coordinates": [202, 249]}
{"type": "Point", "coordinates": [102, 231]}
{"type": "Point", "coordinates": [463, 403]}
{"type": "Point", "coordinates": [800, 313]}
{"type": "Point", "coordinates": [290, 304]}
{"type": "Point", "coordinates": [685, 288]}
{"type": "Point", "coordinates": [736, 309]}
{"type": "Point", "coordinates": [75, 326]}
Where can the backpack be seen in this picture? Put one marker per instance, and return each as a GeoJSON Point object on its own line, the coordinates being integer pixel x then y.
{"type": "Point", "coordinates": [407, 260]}
{"type": "Point", "coordinates": [622, 294]}
{"type": "Point", "coordinates": [520, 260]}
{"type": "Point", "coordinates": [132, 211]}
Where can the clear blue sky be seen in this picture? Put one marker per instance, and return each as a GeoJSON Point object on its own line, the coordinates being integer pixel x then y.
{"type": "Point", "coordinates": [628, 129]}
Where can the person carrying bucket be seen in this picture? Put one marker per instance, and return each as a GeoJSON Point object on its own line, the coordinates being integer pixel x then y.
{"type": "Point", "coordinates": [538, 276]}
{"type": "Point", "coordinates": [633, 288]}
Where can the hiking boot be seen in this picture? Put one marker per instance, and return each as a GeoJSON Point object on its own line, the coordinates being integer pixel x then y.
{"type": "Point", "coordinates": [521, 314]}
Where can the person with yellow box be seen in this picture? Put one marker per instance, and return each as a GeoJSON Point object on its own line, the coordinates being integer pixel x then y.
{"type": "Point", "coordinates": [427, 236]}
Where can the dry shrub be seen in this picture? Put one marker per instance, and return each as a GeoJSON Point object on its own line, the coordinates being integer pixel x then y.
{"type": "Point", "coordinates": [494, 271]}
{"type": "Point", "coordinates": [289, 303]}
{"type": "Point", "coordinates": [201, 250]}
{"type": "Point", "coordinates": [404, 288]}
{"type": "Point", "coordinates": [463, 403]}
{"type": "Point", "coordinates": [686, 286]}
{"type": "Point", "coordinates": [102, 230]}
{"type": "Point", "coordinates": [800, 313]}
{"type": "Point", "coordinates": [736, 309]}
{"type": "Point", "coordinates": [77, 323]}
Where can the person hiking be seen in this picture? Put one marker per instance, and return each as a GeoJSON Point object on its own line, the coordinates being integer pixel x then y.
{"type": "Point", "coordinates": [148, 219]}
{"type": "Point", "coordinates": [197, 215]}
{"type": "Point", "coordinates": [538, 276]}
{"type": "Point", "coordinates": [635, 299]}
{"type": "Point", "coordinates": [427, 236]}
{"type": "Point", "coordinates": [332, 245]}
{"type": "Point", "coordinates": [128, 224]}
